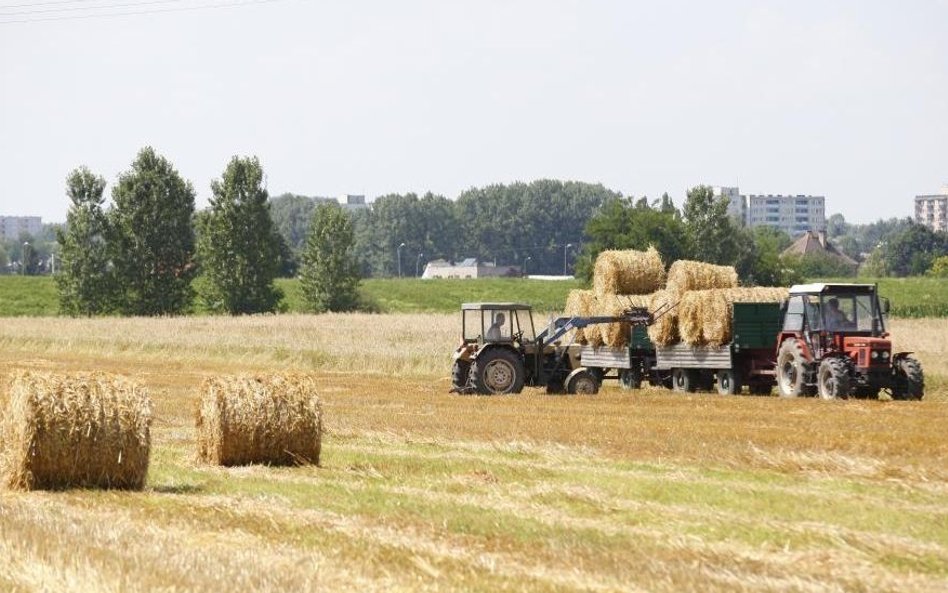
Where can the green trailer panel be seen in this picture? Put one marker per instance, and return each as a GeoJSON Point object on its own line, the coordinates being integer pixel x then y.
{"type": "Point", "coordinates": [639, 339]}
{"type": "Point", "coordinates": [756, 325]}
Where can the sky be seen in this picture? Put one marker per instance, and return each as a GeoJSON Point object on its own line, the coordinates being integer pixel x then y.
{"type": "Point", "coordinates": [845, 99]}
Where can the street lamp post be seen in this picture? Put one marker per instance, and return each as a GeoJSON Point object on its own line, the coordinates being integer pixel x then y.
{"type": "Point", "coordinates": [565, 251]}
{"type": "Point", "coordinates": [418, 263]}
{"type": "Point", "coordinates": [26, 261]}
{"type": "Point", "coordinates": [526, 260]}
{"type": "Point", "coordinates": [399, 250]}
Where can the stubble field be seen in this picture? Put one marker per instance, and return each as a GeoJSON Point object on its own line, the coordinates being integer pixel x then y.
{"type": "Point", "coordinates": [420, 490]}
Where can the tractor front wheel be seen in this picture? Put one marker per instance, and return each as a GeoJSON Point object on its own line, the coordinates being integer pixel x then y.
{"type": "Point", "coordinates": [498, 371]}
{"type": "Point", "coordinates": [909, 382]}
{"type": "Point", "coordinates": [791, 369]}
{"type": "Point", "coordinates": [833, 379]}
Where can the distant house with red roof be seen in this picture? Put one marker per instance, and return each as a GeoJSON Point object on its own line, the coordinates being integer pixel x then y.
{"type": "Point", "coordinates": [814, 244]}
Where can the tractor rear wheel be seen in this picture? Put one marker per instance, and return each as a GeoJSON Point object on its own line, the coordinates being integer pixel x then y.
{"type": "Point", "coordinates": [630, 379]}
{"type": "Point", "coordinates": [729, 382]}
{"type": "Point", "coordinates": [833, 379]}
{"type": "Point", "coordinates": [582, 381]}
{"type": "Point", "coordinates": [909, 381]}
{"type": "Point", "coordinates": [498, 371]}
{"type": "Point", "coordinates": [684, 380]}
{"type": "Point", "coordinates": [791, 369]}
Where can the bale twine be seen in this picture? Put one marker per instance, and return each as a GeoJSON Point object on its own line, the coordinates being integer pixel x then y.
{"type": "Point", "coordinates": [704, 316]}
{"type": "Point", "coordinates": [664, 330]}
{"type": "Point", "coordinates": [616, 334]}
{"type": "Point", "coordinates": [580, 303]}
{"type": "Point", "coordinates": [83, 430]}
{"type": "Point", "coordinates": [271, 419]}
{"type": "Point", "coordinates": [628, 272]}
{"type": "Point", "coordinates": [685, 275]}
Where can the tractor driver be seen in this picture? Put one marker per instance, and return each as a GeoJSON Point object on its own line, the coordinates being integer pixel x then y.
{"type": "Point", "coordinates": [497, 328]}
{"type": "Point", "coordinates": [835, 319]}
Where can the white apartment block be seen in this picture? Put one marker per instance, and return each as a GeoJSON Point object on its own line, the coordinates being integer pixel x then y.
{"type": "Point", "coordinates": [793, 215]}
{"type": "Point", "coordinates": [11, 227]}
{"type": "Point", "coordinates": [736, 206]}
{"type": "Point", "coordinates": [932, 210]}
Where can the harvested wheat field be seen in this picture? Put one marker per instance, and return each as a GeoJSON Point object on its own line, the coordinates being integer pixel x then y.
{"type": "Point", "coordinates": [419, 490]}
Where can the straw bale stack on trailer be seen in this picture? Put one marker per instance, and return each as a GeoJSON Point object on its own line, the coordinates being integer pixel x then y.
{"type": "Point", "coordinates": [685, 275]}
{"type": "Point", "coordinates": [83, 430]}
{"type": "Point", "coordinates": [580, 303]}
{"type": "Point", "coordinates": [616, 334]}
{"type": "Point", "coordinates": [271, 419]}
{"type": "Point", "coordinates": [628, 272]}
{"type": "Point", "coordinates": [704, 316]}
{"type": "Point", "coordinates": [664, 330]}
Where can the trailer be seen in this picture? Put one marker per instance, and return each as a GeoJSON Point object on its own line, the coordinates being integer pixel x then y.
{"type": "Point", "coordinates": [748, 360]}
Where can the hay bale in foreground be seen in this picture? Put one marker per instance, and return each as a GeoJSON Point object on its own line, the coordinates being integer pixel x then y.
{"type": "Point", "coordinates": [628, 272]}
{"type": "Point", "coordinates": [704, 316]}
{"type": "Point", "coordinates": [83, 430]}
{"type": "Point", "coordinates": [580, 303]}
{"type": "Point", "coordinates": [616, 335]}
{"type": "Point", "coordinates": [664, 330]}
{"type": "Point", "coordinates": [685, 275]}
{"type": "Point", "coordinates": [271, 419]}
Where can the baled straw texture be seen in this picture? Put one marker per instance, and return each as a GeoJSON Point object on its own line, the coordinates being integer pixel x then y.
{"type": "Point", "coordinates": [628, 272]}
{"type": "Point", "coordinates": [84, 430]}
{"type": "Point", "coordinates": [616, 334]}
{"type": "Point", "coordinates": [664, 330]}
{"type": "Point", "coordinates": [580, 303]}
{"type": "Point", "coordinates": [685, 275]}
{"type": "Point", "coordinates": [704, 316]}
{"type": "Point", "coordinates": [271, 419]}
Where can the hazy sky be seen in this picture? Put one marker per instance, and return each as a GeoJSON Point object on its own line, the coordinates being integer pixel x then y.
{"type": "Point", "coordinates": [843, 99]}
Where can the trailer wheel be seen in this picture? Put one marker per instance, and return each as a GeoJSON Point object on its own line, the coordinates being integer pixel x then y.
{"type": "Point", "coordinates": [630, 379]}
{"type": "Point", "coordinates": [729, 382]}
{"type": "Point", "coordinates": [582, 381]}
{"type": "Point", "coordinates": [791, 369]}
{"type": "Point", "coordinates": [909, 382]}
{"type": "Point", "coordinates": [498, 371]}
{"type": "Point", "coordinates": [833, 379]}
{"type": "Point", "coordinates": [684, 380]}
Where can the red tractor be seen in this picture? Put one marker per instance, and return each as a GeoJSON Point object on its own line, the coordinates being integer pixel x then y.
{"type": "Point", "coordinates": [834, 344]}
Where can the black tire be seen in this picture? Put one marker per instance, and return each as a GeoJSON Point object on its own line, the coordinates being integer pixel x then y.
{"type": "Point", "coordinates": [832, 380]}
{"type": "Point", "coordinates": [684, 380]}
{"type": "Point", "coordinates": [459, 375]}
{"type": "Point", "coordinates": [583, 382]}
{"type": "Point", "coordinates": [630, 379]}
{"type": "Point", "coordinates": [729, 382]}
{"type": "Point", "coordinates": [865, 392]}
{"type": "Point", "coordinates": [760, 388]}
{"type": "Point", "coordinates": [497, 371]}
{"type": "Point", "coordinates": [908, 380]}
{"type": "Point", "coordinates": [791, 369]}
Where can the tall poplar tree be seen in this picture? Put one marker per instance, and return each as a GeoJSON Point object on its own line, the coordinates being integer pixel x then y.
{"type": "Point", "coordinates": [329, 271]}
{"type": "Point", "coordinates": [238, 245]}
{"type": "Point", "coordinates": [152, 238]}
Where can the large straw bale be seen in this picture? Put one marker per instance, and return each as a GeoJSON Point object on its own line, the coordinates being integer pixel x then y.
{"type": "Point", "coordinates": [685, 275]}
{"type": "Point", "coordinates": [271, 419]}
{"type": "Point", "coordinates": [628, 272]}
{"type": "Point", "coordinates": [704, 316]}
{"type": "Point", "coordinates": [616, 334]}
{"type": "Point", "coordinates": [664, 330]}
{"type": "Point", "coordinates": [580, 303]}
{"type": "Point", "coordinates": [84, 430]}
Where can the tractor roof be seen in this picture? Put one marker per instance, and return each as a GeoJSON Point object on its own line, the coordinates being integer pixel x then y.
{"type": "Point", "coordinates": [823, 287]}
{"type": "Point", "coordinates": [494, 306]}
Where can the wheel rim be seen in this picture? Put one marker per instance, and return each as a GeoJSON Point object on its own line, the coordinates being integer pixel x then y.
{"type": "Point", "coordinates": [726, 383]}
{"type": "Point", "coordinates": [499, 375]}
{"type": "Point", "coordinates": [829, 387]}
{"type": "Point", "coordinates": [788, 376]}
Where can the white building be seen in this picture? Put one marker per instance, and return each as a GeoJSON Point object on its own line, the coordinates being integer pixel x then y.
{"type": "Point", "coordinates": [469, 268]}
{"type": "Point", "coordinates": [932, 210]}
{"type": "Point", "coordinates": [793, 215]}
{"type": "Point", "coordinates": [11, 227]}
{"type": "Point", "coordinates": [737, 206]}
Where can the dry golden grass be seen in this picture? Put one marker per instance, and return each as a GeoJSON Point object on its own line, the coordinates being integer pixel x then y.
{"type": "Point", "coordinates": [420, 490]}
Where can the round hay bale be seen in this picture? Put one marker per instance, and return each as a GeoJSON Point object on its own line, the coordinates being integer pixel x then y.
{"type": "Point", "coordinates": [685, 275]}
{"type": "Point", "coordinates": [616, 334]}
{"type": "Point", "coordinates": [628, 272]}
{"type": "Point", "coordinates": [580, 303]}
{"type": "Point", "coordinates": [271, 419]}
{"type": "Point", "coordinates": [704, 316]}
{"type": "Point", "coordinates": [82, 430]}
{"type": "Point", "coordinates": [664, 330]}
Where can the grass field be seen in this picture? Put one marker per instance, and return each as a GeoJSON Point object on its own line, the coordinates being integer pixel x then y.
{"type": "Point", "coordinates": [420, 490]}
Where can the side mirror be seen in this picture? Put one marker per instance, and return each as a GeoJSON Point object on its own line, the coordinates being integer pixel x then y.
{"type": "Point", "coordinates": [885, 306]}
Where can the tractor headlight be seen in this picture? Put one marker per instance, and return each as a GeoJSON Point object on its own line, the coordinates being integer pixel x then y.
{"type": "Point", "coordinates": [885, 354]}
{"type": "Point", "coordinates": [875, 354]}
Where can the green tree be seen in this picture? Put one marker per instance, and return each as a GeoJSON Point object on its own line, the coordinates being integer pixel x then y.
{"type": "Point", "coordinates": [711, 233]}
{"type": "Point", "coordinates": [939, 267]}
{"type": "Point", "coordinates": [85, 282]}
{"type": "Point", "coordinates": [329, 271]}
{"type": "Point", "coordinates": [769, 268]}
{"type": "Point", "coordinates": [238, 246]}
{"type": "Point", "coordinates": [911, 251]}
{"type": "Point", "coordinates": [152, 238]}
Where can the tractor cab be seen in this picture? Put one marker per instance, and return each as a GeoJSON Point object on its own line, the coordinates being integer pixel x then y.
{"type": "Point", "coordinates": [504, 323]}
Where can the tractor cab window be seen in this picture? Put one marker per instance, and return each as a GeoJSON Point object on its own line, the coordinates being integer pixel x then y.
{"type": "Point", "coordinates": [813, 318]}
{"type": "Point", "coordinates": [793, 320]}
{"type": "Point", "coordinates": [497, 325]}
{"type": "Point", "coordinates": [523, 324]}
{"type": "Point", "coordinates": [849, 312]}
